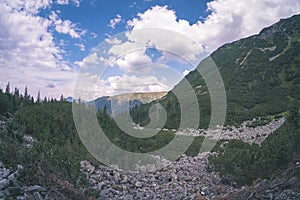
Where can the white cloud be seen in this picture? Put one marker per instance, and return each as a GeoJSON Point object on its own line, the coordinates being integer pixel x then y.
{"type": "Point", "coordinates": [28, 52]}
{"type": "Point", "coordinates": [77, 2]}
{"type": "Point", "coordinates": [127, 55]}
{"type": "Point", "coordinates": [128, 84]}
{"type": "Point", "coordinates": [27, 6]}
{"type": "Point", "coordinates": [126, 47]}
{"type": "Point", "coordinates": [81, 46]}
{"type": "Point", "coordinates": [66, 2]}
{"type": "Point", "coordinates": [62, 2]}
{"type": "Point", "coordinates": [115, 21]}
{"type": "Point", "coordinates": [113, 41]}
{"type": "Point", "coordinates": [66, 26]}
{"type": "Point", "coordinates": [91, 59]}
{"type": "Point", "coordinates": [133, 60]}
{"type": "Point", "coordinates": [229, 20]}
{"type": "Point", "coordinates": [89, 86]}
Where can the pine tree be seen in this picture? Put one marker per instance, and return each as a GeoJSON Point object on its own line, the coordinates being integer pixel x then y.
{"type": "Point", "coordinates": [26, 92]}
{"type": "Point", "coordinates": [26, 96]}
{"type": "Point", "coordinates": [61, 98]}
{"type": "Point", "coordinates": [7, 89]}
{"type": "Point", "coordinates": [17, 93]}
{"type": "Point", "coordinates": [38, 99]}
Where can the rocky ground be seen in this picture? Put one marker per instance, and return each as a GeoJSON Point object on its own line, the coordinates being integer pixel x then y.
{"type": "Point", "coordinates": [187, 178]}
{"type": "Point", "coordinates": [245, 133]}
{"type": "Point", "coordinates": [11, 187]}
{"type": "Point", "coordinates": [183, 179]}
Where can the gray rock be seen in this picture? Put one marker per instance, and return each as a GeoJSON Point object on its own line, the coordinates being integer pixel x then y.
{"type": "Point", "coordinates": [20, 167]}
{"type": "Point", "coordinates": [1, 194]}
{"type": "Point", "coordinates": [140, 195]}
{"type": "Point", "coordinates": [37, 196]}
{"type": "Point", "coordinates": [3, 118]}
{"type": "Point", "coordinates": [4, 183]}
{"type": "Point", "coordinates": [128, 197]}
{"type": "Point", "coordinates": [13, 175]}
{"type": "Point", "coordinates": [24, 197]}
{"type": "Point", "coordinates": [100, 185]}
{"type": "Point", "coordinates": [13, 191]}
{"type": "Point", "coordinates": [5, 173]}
{"type": "Point", "coordinates": [34, 188]}
{"type": "Point", "coordinates": [138, 184]}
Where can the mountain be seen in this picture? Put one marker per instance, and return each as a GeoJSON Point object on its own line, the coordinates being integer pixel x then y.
{"type": "Point", "coordinates": [125, 100]}
{"type": "Point", "coordinates": [69, 99]}
{"type": "Point", "coordinates": [261, 75]}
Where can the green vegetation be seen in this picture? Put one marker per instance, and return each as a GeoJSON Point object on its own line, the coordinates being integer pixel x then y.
{"type": "Point", "coordinates": [244, 163]}
{"type": "Point", "coordinates": [54, 158]}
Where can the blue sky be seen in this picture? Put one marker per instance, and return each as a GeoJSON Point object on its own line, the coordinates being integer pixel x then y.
{"type": "Point", "coordinates": [95, 16]}
{"type": "Point", "coordinates": [45, 44]}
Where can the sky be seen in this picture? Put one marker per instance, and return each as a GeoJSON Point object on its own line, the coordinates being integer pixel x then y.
{"type": "Point", "coordinates": [116, 46]}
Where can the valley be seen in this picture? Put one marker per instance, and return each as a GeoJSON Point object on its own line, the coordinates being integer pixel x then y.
{"type": "Point", "coordinates": [256, 153]}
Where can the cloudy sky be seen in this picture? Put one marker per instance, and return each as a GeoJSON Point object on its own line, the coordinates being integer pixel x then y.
{"type": "Point", "coordinates": [143, 45]}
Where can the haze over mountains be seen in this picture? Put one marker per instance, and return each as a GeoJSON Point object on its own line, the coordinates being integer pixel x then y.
{"type": "Point", "coordinates": [129, 100]}
{"type": "Point", "coordinates": [124, 101]}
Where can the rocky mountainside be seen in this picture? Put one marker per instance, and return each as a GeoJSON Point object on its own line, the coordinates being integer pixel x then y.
{"type": "Point", "coordinates": [125, 100]}
{"type": "Point", "coordinates": [261, 75]}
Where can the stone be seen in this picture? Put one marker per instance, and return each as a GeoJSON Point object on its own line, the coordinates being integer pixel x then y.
{"type": "Point", "coordinates": [4, 183]}
{"type": "Point", "coordinates": [150, 168]}
{"type": "Point", "coordinates": [37, 196]}
{"type": "Point", "coordinates": [13, 175]}
{"type": "Point", "coordinates": [128, 197]}
{"type": "Point", "coordinates": [34, 188]}
{"type": "Point", "coordinates": [3, 118]}
{"type": "Point", "coordinates": [20, 167]}
{"type": "Point", "coordinates": [28, 139]}
{"type": "Point", "coordinates": [5, 173]}
{"type": "Point", "coordinates": [100, 185]}
{"type": "Point", "coordinates": [138, 184]}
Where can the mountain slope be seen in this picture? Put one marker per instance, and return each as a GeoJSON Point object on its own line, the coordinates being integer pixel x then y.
{"type": "Point", "coordinates": [261, 75]}
{"type": "Point", "coordinates": [125, 100]}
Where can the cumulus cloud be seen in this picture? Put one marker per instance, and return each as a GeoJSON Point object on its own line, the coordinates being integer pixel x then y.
{"type": "Point", "coordinates": [115, 21]}
{"type": "Point", "coordinates": [28, 6]}
{"type": "Point", "coordinates": [127, 55]}
{"type": "Point", "coordinates": [81, 46]}
{"type": "Point", "coordinates": [91, 59]}
{"type": "Point", "coordinates": [133, 60]}
{"type": "Point", "coordinates": [127, 84]}
{"type": "Point", "coordinates": [89, 86]}
{"type": "Point", "coordinates": [113, 40]}
{"type": "Point", "coordinates": [28, 52]}
{"type": "Point", "coordinates": [229, 20]}
{"type": "Point", "coordinates": [66, 2]}
{"type": "Point", "coordinates": [66, 26]}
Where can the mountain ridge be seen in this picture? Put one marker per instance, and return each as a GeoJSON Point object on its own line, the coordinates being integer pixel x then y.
{"type": "Point", "coordinates": [260, 74]}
